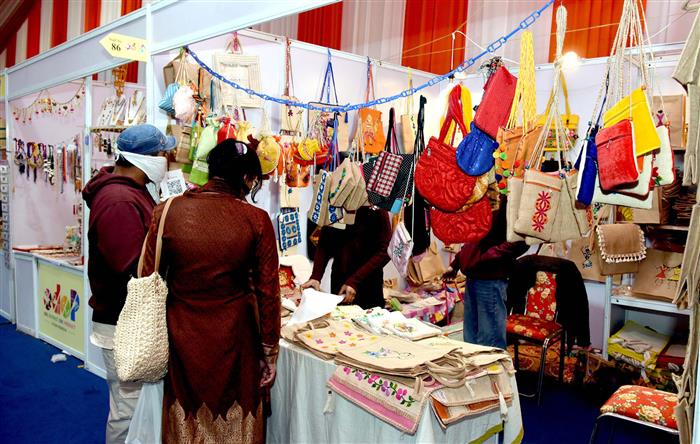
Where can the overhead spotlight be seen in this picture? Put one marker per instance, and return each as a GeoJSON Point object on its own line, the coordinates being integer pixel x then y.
{"type": "Point", "coordinates": [570, 61]}
{"type": "Point", "coordinates": [460, 75]}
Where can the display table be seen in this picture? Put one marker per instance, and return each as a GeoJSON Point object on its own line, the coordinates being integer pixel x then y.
{"type": "Point", "coordinates": [300, 397]}
{"type": "Point", "coordinates": [60, 305]}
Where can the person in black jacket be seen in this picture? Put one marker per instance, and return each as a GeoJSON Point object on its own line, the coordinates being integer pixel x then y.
{"type": "Point", "coordinates": [487, 266]}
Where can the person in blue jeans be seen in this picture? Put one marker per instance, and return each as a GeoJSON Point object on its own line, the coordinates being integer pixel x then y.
{"type": "Point", "coordinates": [487, 265]}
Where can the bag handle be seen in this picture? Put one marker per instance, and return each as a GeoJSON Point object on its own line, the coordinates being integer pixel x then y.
{"type": "Point", "coordinates": [525, 99]}
{"type": "Point", "coordinates": [234, 45]}
{"type": "Point", "coordinates": [370, 82]}
{"type": "Point", "coordinates": [289, 78]}
{"type": "Point", "coordinates": [159, 241]}
{"type": "Point", "coordinates": [328, 82]}
{"type": "Point", "coordinates": [392, 143]}
{"type": "Point", "coordinates": [409, 99]}
{"type": "Point", "coordinates": [418, 148]}
{"type": "Point", "coordinates": [454, 114]}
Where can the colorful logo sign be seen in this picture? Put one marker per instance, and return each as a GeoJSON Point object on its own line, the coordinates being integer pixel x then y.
{"type": "Point", "coordinates": [61, 315]}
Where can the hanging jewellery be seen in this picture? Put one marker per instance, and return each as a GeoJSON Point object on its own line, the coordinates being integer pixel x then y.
{"type": "Point", "coordinates": [20, 155]}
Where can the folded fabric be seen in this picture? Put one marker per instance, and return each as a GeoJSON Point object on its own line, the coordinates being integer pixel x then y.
{"type": "Point", "coordinates": [450, 415]}
{"type": "Point", "coordinates": [326, 342]}
{"type": "Point", "coordinates": [487, 387]}
{"type": "Point", "coordinates": [387, 399]}
{"type": "Point", "coordinates": [637, 345]}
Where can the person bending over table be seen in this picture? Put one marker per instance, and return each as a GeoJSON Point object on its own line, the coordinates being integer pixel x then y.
{"type": "Point", "coordinates": [359, 254]}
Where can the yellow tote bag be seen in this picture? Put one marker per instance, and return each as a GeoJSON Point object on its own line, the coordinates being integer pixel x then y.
{"type": "Point", "coordinates": [646, 139]}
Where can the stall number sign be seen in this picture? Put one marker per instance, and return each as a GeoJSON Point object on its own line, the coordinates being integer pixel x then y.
{"type": "Point", "coordinates": [61, 310]}
{"type": "Point", "coordinates": [125, 47]}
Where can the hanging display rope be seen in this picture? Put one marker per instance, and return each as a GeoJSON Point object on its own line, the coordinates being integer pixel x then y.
{"type": "Point", "coordinates": [493, 47]}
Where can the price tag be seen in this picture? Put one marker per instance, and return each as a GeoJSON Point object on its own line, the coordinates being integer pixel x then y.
{"type": "Point", "coordinates": [125, 47]}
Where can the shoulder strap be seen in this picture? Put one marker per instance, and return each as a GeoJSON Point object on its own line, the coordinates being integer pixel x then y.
{"type": "Point", "coordinates": [328, 83]}
{"type": "Point", "coordinates": [454, 113]}
{"type": "Point", "coordinates": [159, 240]}
{"type": "Point", "coordinates": [392, 143]}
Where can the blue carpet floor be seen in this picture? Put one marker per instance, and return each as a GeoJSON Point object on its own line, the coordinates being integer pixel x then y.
{"type": "Point", "coordinates": [41, 402]}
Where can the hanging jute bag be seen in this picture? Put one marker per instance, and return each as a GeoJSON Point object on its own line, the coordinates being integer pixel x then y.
{"type": "Point", "coordinates": [141, 334]}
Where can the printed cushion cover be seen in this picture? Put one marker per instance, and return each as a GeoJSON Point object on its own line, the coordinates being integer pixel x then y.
{"type": "Point", "coordinates": [529, 327]}
{"type": "Point", "coordinates": [650, 405]}
{"type": "Point", "coordinates": [541, 298]}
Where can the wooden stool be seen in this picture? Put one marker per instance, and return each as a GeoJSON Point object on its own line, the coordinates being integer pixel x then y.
{"type": "Point", "coordinates": [641, 405]}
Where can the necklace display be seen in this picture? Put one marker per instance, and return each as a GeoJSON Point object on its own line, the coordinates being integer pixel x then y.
{"type": "Point", "coordinates": [63, 160]}
{"type": "Point", "coordinates": [136, 113]}
{"type": "Point", "coordinates": [45, 105]}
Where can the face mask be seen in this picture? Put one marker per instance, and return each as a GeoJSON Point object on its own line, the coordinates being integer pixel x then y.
{"type": "Point", "coordinates": [154, 167]}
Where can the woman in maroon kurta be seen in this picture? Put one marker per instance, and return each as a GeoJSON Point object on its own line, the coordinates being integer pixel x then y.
{"type": "Point", "coordinates": [220, 261]}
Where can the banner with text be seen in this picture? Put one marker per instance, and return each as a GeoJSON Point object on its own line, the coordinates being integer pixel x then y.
{"type": "Point", "coordinates": [61, 316]}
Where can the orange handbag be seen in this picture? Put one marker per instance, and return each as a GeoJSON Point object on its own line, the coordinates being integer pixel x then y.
{"type": "Point", "coordinates": [370, 127]}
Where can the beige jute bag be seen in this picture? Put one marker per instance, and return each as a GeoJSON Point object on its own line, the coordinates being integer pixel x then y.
{"type": "Point", "coordinates": [141, 335]}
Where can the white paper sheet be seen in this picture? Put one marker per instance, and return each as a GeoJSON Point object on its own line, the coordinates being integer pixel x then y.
{"type": "Point", "coordinates": [314, 304]}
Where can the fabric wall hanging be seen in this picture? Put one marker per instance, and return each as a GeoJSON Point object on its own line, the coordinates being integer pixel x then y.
{"type": "Point", "coordinates": [241, 69]}
{"type": "Point", "coordinates": [658, 275]}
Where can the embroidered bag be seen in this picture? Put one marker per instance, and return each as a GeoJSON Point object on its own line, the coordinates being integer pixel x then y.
{"type": "Point", "coordinates": [342, 183]}
{"type": "Point", "coordinates": [290, 116]}
{"type": "Point", "coordinates": [288, 229]}
{"type": "Point", "coordinates": [438, 177]}
{"type": "Point", "coordinates": [494, 109]}
{"type": "Point", "coordinates": [658, 275]}
{"type": "Point", "coordinates": [469, 225]}
{"type": "Point", "coordinates": [141, 335]}
{"type": "Point", "coordinates": [475, 152]}
{"type": "Point", "coordinates": [621, 248]}
{"type": "Point", "coordinates": [318, 212]}
{"type": "Point", "coordinates": [321, 125]}
{"type": "Point", "coordinates": [400, 248]}
{"type": "Point", "coordinates": [617, 164]}
{"type": "Point", "coordinates": [370, 126]}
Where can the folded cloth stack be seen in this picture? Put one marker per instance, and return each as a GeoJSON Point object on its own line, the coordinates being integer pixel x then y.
{"type": "Point", "coordinates": [637, 345]}
{"type": "Point", "coordinates": [393, 379]}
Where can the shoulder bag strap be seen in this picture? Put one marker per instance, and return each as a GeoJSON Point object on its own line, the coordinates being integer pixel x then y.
{"type": "Point", "coordinates": [328, 83]}
{"type": "Point", "coordinates": [159, 240]}
{"type": "Point", "coordinates": [392, 144]}
{"type": "Point", "coordinates": [454, 113]}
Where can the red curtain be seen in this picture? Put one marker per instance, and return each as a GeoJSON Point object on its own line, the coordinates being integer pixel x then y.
{"type": "Point", "coordinates": [322, 26]}
{"type": "Point", "coordinates": [427, 34]}
{"type": "Point", "coordinates": [59, 22]}
{"type": "Point", "coordinates": [11, 51]}
{"type": "Point", "coordinates": [591, 27]}
{"type": "Point", "coordinates": [132, 69]}
{"type": "Point", "coordinates": [93, 8]}
{"type": "Point", "coordinates": [34, 30]}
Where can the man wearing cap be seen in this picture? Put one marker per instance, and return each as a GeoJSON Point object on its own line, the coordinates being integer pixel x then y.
{"type": "Point", "coordinates": [120, 214]}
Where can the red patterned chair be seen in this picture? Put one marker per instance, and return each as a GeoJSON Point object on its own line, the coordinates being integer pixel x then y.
{"type": "Point", "coordinates": [538, 324]}
{"type": "Point", "coordinates": [640, 405]}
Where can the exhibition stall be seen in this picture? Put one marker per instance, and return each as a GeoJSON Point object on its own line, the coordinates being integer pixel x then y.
{"type": "Point", "coordinates": [325, 113]}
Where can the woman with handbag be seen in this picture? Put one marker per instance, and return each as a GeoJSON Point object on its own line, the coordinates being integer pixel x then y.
{"type": "Point", "coordinates": [487, 265]}
{"type": "Point", "coordinates": [219, 258]}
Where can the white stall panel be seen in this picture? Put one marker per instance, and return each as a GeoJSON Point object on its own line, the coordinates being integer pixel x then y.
{"type": "Point", "coordinates": [25, 302]}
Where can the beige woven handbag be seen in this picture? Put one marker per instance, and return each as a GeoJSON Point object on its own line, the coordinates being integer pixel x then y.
{"type": "Point", "coordinates": [141, 335]}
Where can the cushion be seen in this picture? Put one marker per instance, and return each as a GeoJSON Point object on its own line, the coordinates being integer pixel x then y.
{"type": "Point", "coordinates": [529, 327]}
{"type": "Point", "coordinates": [541, 298]}
{"type": "Point", "coordinates": [645, 404]}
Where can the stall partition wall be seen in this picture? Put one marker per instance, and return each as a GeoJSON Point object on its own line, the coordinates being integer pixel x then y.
{"type": "Point", "coordinates": [40, 211]}
{"type": "Point", "coordinates": [7, 303]}
{"type": "Point", "coordinates": [309, 65]}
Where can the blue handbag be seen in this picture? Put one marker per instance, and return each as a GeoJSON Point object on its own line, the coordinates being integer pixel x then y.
{"type": "Point", "coordinates": [475, 153]}
{"type": "Point", "coordinates": [166, 103]}
{"type": "Point", "coordinates": [587, 168]}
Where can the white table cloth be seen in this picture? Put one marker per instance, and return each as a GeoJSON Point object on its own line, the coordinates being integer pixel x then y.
{"type": "Point", "coordinates": [300, 397]}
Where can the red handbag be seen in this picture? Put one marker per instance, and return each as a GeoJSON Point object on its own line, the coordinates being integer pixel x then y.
{"type": "Point", "coordinates": [438, 177]}
{"type": "Point", "coordinates": [617, 164]}
{"type": "Point", "coordinates": [494, 109]}
{"type": "Point", "coordinates": [470, 225]}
